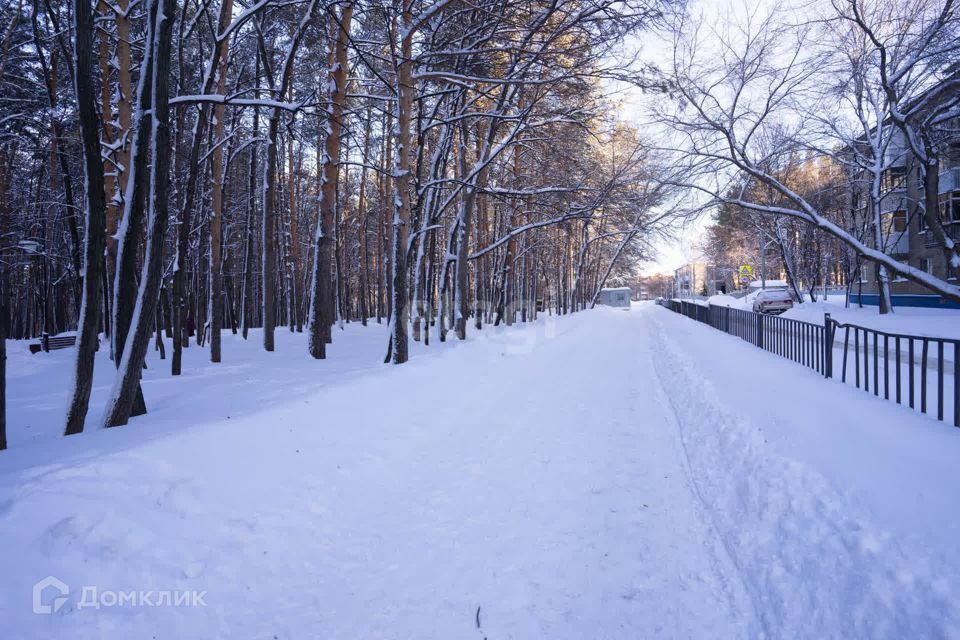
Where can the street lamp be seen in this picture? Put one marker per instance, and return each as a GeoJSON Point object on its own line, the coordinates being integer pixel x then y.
{"type": "Point", "coordinates": [763, 259]}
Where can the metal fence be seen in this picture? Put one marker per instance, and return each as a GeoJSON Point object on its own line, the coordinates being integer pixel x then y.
{"type": "Point", "coordinates": [917, 371]}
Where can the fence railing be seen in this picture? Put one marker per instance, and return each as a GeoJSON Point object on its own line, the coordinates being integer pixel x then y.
{"type": "Point", "coordinates": [917, 371]}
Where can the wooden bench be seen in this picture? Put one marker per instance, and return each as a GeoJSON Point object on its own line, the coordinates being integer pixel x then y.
{"type": "Point", "coordinates": [51, 343]}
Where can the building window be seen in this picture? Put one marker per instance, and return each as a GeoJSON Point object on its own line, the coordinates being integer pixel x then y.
{"type": "Point", "coordinates": [895, 222]}
{"type": "Point", "coordinates": [900, 221]}
{"type": "Point", "coordinates": [950, 207]}
{"type": "Point", "coordinates": [953, 154]}
{"type": "Point", "coordinates": [892, 179]}
{"type": "Point", "coordinates": [926, 265]}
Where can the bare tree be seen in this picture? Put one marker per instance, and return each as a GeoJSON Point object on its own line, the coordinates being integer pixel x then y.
{"type": "Point", "coordinates": [321, 302]}
{"type": "Point", "coordinates": [742, 112]}
{"type": "Point", "coordinates": [126, 385]}
{"type": "Point", "coordinates": [911, 49]}
{"type": "Point", "coordinates": [461, 170]}
{"type": "Point", "coordinates": [95, 219]}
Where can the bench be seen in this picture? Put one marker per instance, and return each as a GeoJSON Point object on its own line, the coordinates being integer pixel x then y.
{"type": "Point", "coordinates": [51, 343]}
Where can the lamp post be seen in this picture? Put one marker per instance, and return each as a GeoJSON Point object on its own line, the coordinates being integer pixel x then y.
{"type": "Point", "coordinates": [763, 260]}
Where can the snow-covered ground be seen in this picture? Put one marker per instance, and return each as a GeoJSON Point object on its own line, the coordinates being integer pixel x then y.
{"type": "Point", "coordinates": [612, 474]}
{"type": "Point", "coordinates": [942, 323]}
{"type": "Point", "coordinates": [248, 380]}
{"type": "Point", "coordinates": [892, 364]}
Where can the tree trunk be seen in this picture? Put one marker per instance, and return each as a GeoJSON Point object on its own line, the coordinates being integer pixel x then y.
{"type": "Point", "coordinates": [131, 227]}
{"type": "Point", "coordinates": [89, 323]}
{"type": "Point", "coordinates": [387, 221]}
{"type": "Point", "coordinates": [5, 172]}
{"type": "Point", "coordinates": [128, 376]}
{"type": "Point", "coordinates": [461, 284]}
{"type": "Point", "coordinates": [181, 337]}
{"type": "Point", "coordinates": [3, 362]}
{"type": "Point", "coordinates": [293, 270]}
{"type": "Point", "coordinates": [883, 276]}
{"type": "Point", "coordinates": [216, 278]}
{"type": "Point", "coordinates": [246, 288]}
{"type": "Point", "coordinates": [321, 311]}
{"type": "Point", "coordinates": [364, 217]}
{"type": "Point", "coordinates": [268, 250]}
{"type": "Point", "coordinates": [402, 196]}
{"type": "Point", "coordinates": [109, 174]}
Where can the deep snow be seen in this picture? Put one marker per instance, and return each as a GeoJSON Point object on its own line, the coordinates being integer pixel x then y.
{"type": "Point", "coordinates": [612, 474]}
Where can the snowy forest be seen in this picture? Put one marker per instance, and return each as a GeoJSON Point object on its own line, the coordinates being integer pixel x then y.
{"type": "Point", "coordinates": [536, 319]}
{"type": "Point", "coordinates": [172, 170]}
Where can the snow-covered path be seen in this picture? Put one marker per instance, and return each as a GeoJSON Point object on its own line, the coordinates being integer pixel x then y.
{"type": "Point", "coordinates": [818, 548]}
{"type": "Point", "coordinates": [584, 478]}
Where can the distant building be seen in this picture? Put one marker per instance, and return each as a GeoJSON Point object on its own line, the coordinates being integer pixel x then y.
{"type": "Point", "coordinates": [648, 287]}
{"type": "Point", "coordinates": [617, 297]}
{"type": "Point", "coordinates": [689, 280]}
{"type": "Point", "coordinates": [904, 234]}
{"type": "Point", "coordinates": [700, 279]}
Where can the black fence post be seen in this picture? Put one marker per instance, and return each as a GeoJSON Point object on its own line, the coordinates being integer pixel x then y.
{"type": "Point", "coordinates": [45, 342]}
{"type": "Point", "coordinates": [795, 340]}
{"type": "Point", "coordinates": [827, 346]}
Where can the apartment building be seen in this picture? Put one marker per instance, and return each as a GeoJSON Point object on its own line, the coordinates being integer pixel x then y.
{"type": "Point", "coordinates": [904, 233]}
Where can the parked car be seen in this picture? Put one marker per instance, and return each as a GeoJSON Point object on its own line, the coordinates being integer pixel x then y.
{"type": "Point", "coordinates": [772, 301]}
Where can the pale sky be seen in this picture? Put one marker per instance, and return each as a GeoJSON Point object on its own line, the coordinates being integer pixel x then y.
{"type": "Point", "coordinates": [634, 105]}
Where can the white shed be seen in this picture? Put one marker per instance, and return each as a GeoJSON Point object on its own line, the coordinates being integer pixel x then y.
{"type": "Point", "coordinates": [618, 297]}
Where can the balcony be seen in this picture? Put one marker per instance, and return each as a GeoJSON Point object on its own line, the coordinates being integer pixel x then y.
{"type": "Point", "coordinates": [896, 244]}
{"type": "Point", "coordinates": [950, 180]}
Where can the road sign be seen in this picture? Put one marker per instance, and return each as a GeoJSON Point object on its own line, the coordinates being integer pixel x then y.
{"type": "Point", "coordinates": [745, 271]}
